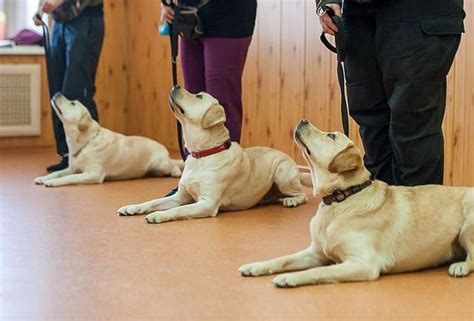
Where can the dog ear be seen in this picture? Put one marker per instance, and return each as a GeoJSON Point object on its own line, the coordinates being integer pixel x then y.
{"type": "Point", "coordinates": [84, 122]}
{"type": "Point", "coordinates": [347, 160]}
{"type": "Point", "coordinates": [213, 116]}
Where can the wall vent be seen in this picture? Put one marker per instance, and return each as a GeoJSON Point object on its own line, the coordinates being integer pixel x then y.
{"type": "Point", "coordinates": [20, 100]}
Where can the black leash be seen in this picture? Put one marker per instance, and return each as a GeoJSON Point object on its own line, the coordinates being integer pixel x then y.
{"type": "Point", "coordinates": [340, 51]}
{"type": "Point", "coordinates": [47, 54]}
{"type": "Point", "coordinates": [174, 35]}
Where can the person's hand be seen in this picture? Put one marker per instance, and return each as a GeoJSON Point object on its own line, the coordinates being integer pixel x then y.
{"type": "Point", "coordinates": [167, 14]}
{"type": "Point", "coordinates": [37, 19]}
{"type": "Point", "coordinates": [326, 22]}
{"type": "Point", "coordinates": [51, 5]}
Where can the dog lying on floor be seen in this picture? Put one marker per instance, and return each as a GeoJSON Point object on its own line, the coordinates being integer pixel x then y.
{"type": "Point", "coordinates": [97, 154]}
{"type": "Point", "coordinates": [219, 175]}
{"type": "Point", "coordinates": [364, 228]}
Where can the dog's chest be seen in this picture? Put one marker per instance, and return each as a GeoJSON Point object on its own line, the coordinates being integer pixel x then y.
{"type": "Point", "coordinates": [324, 232]}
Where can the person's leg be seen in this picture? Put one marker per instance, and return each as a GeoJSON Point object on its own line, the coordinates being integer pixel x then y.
{"type": "Point", "coordinates": [56, 66]}
{"type": "Point", "coordinates": [192, 63]}
{"type": "Point", "coordinates": [415, 66]}
{"type": "Point", "coordinates": [84, 37]}
{"type": "Point", "coordinates": [224, 65]}
{"type": "Point", "coordinates": [365, 90]}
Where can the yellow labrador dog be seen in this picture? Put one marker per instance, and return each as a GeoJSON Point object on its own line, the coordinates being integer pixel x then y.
{"type": "Point", "coordinates": [219, 175]}
{"type": "Point", "coordinates": [96, 153]}
{"type": "Point", "coordinates": [364, 228]}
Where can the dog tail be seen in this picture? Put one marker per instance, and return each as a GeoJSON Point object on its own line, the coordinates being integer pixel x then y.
{"type": "Point", "coordinates": [305, 179]}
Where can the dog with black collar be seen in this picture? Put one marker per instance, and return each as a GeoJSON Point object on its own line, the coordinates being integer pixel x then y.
{"type": "Point", "coordinates": [366, 228]}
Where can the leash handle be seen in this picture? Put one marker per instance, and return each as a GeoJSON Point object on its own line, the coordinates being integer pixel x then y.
{"type": "Point", "coordinates": [340, 48]}
{"type": "Point", "coordinates": [340, 51]}
{"type": "Point", "coordinates": [47, 51]}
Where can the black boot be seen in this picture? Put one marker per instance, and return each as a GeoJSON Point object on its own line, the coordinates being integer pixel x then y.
{"type": "Point", "coordinates": [63, 164]}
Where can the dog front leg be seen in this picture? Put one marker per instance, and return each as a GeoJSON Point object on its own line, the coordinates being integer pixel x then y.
{"type": "Point", "coordinates": [64, 172]}
{"type": "Point", "coordinates": [82, 178]}
{"type": "Point", "coordinates": [308, 258]}
{"type": "Point", "coordinates": [202, 208]}
{"type": "Point", "coordinates": [160, 204]}
{"type": "Point", "coordinates": [344, 272]}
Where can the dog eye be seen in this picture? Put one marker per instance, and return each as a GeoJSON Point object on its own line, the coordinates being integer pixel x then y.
{"type": "Point", "coordinates": [199, 96]}
{"type": "Point", "coordinates": [332, 136]}
{"type": "Point", "coordinates": [73, 103]}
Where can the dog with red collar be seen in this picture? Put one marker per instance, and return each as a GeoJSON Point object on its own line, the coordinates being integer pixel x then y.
{"type": "Point", "coordinates": [220, 175]}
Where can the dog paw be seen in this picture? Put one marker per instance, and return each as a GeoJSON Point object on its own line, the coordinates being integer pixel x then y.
{"type": "Point", "coordinates": [49, 183]}
{"type": "Point", "coordinates": [130, 210]}
{"type": "Point", "coordinates": [157, 218]}
{"type": "Point", "coordinates": [293, 201]}
{"type": "Point", "coordinates": [39, 180]}
{"type": "Point", "coordinates": [286, 281]}
{"type": "Point", "coordinates": [254, 269]}
{"type": "Point", "coordinates": [459, 270]}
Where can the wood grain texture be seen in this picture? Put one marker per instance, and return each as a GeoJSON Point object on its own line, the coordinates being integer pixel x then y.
{"type": "Point", "coordinates": [289, 75]}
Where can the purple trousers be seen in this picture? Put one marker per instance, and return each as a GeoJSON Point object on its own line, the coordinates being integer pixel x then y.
{"type": "Point", "coordinates": [215, 66]}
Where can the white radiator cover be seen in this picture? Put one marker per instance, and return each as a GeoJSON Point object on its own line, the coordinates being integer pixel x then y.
{"type": "Point", "coordinates": [20, 100]}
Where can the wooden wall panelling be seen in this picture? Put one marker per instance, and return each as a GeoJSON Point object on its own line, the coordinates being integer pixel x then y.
{"type": "Point", "coordinates": [462, 132]}
{"type": "Point", "coordinates": [264, 117]}
{"type": "Point", "coordinates": [112, 73]}
{"type": "Point", "coordinates": [149, 75]}
{"type": "Point", "coordinates": [250, 88]}
{"type": "Point", "coordinates": [448, 129]}
{"type": "Point", "coordinates": [289, 75]}
{"type": "Point", "coordinates": [292, 72]}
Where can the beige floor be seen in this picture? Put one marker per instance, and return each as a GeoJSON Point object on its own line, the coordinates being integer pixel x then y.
{"type": "Point", "coordinates": [66, 255]}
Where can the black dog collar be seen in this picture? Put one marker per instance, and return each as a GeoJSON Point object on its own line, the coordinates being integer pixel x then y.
{"type": "Point", "coordinates": [339, 196]}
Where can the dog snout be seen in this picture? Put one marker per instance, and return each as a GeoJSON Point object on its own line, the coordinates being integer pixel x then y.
{"type": "Point", "coordinates": [57, 96]}
{"type": "Point", "coordinates": [301, 126]}
{"type": "Point", "coordinates": [173, 99]}
{"type": "Point", "coordinates": [174, 91]}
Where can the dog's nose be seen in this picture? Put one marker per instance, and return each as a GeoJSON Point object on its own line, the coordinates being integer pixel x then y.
{"type": "Point", "coordinates": [57, 95]}
{"type": "Point", "coordinates": [175, 90]}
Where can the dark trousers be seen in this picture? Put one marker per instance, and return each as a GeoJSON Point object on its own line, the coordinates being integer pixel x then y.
{"type": "Point", "coordinates": [75, 51]}
{"type": "Point", "coordinates": [396, 69]}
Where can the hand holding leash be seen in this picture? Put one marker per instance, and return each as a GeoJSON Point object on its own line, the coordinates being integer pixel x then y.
{"type": "Point", "coordinates": [330, 17]}
{"type": "Point", "coordinates": [326, 19]}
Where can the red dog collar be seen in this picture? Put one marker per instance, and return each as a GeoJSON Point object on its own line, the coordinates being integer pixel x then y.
{"type": "Point", "coordinates": [212, 151]}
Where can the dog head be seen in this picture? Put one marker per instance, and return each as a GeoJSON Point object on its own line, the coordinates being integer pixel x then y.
{"type": "Point", "coordinates": [73, 114]}
{"type": "Point", "coordinates": [335, 161]}
{"type": "Point", "coordinates": [202, 117]}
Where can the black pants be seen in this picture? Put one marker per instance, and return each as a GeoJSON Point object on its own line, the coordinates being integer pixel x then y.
{"type": "Point", "coordinates": [396, 67]}
{"type": "Point", "coordinates": [75, 51]}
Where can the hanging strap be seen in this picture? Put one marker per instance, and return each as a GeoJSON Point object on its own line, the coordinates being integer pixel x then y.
{"type": "Point", "coordinates": [174, 42]}
{"type": "Point", "coordinates": [340, 51]}
{"type": "Point", "coordinates": [47, 54]}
